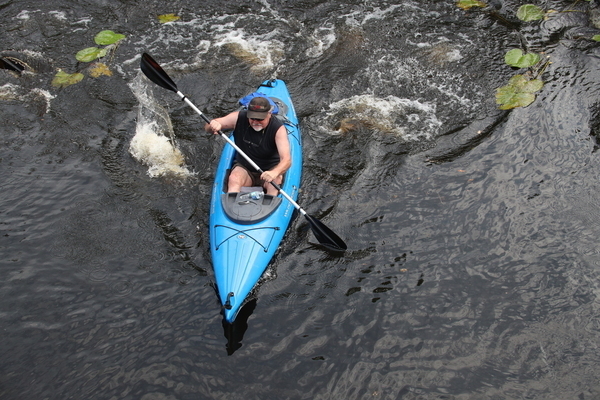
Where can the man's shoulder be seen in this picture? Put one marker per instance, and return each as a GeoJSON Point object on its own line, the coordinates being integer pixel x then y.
{"type": "Point", "coordinates": [277, 123]}
{"type": "Point", "coordinates": [241, 116]}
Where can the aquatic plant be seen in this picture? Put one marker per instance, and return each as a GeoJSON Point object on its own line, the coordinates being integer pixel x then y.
{"type": "Point", "coordinates": [165, 18]}
{"type": "Point", "coordinates": [520, 90]}
{"type": "Point", "coordinates": [64, 79]}
{"type": "Point", "coordinates": [530, 12]}
{"type": "Point", "coordinates": [107, 38]}
{"type": "Point", "coordinates": [516, 58]}
{"type": "Point", "coordinates": [468, 4]}
{"type": "Point", "coordinates": [99, 69]}
{"type": "Point", "coordinates": [90, 54]}
{"type": "Point", "coordinates": [518, 93]}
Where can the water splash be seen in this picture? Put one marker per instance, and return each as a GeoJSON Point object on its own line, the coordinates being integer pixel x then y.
{"type": "Point", "coordinates": [261, 52]}
{"type": "Point", "coordinates": [407, 119]}
{"type": "Point", "coordinates": [157, 152]}
{"type": "Point", "coordinates": [154, 141]}
{"type": "Point", "coordinates": [321, 39]}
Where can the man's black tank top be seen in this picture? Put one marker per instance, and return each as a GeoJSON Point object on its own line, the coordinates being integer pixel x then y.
{"type": "Point", "coordinates": [259, 146]}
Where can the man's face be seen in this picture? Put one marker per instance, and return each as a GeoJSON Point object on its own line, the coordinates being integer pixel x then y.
{"type": "Point", "coordinates": [259, 124]}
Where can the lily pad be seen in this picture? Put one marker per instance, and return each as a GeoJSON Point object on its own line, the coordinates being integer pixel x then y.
{"type": "Point", "coordinates": [508, 98]}
{"type": "Point", "coordinates": [107, 37]}
{"type": "Point", "coordinates": [467, 4]}
{"type": "Point", "coordinates": [63, 79]}
{"type": "Point", "coordinates": [90, 54]}
{"type": "Point", "coordinates": [518, 93]}
{"type": "Point", "coordinates": [163, 19]}
{"type": "Point", "coordinates": [516, 58]}
{"type": "Point", "coordinates": [530, 12]}
{"type": "Point", "coordinates": [526, 85]}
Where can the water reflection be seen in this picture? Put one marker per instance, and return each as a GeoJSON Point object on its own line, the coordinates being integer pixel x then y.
{"type": "Point", "coordinates": [234, 332]}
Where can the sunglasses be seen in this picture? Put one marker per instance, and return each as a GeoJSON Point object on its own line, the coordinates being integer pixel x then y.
{"type": "Point", "coordinates": [257, 119]}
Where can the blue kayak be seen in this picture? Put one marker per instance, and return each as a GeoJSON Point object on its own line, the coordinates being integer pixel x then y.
{"type": "Point", "coordinates": [246, 232]}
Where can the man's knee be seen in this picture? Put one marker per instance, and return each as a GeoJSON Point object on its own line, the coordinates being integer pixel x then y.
{"type": "Point", "coordinates": [239, 177]}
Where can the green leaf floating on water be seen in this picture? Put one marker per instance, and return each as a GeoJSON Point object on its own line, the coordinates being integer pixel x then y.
{"type": "Point", "coordinates": [530, 12]}
{"type": "Point", "coordinates": [107, 37]}
{"type": "Point", "coordinates": [518, 93]}
{"type": "Point", "coordinates": [90, 54]}
{"type": "Point", "coordinates": [63, 79]}
{"type": "Point", "coordinates": [516, 58]}
{"type": "Point", "coordinates": [596, 38]}
{"type": "Point", "coordinates": [467, 4]}
{"type": "Point", "coordinates": [163, 19]}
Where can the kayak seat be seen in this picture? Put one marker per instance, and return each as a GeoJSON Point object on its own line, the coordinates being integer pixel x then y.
{"type": "Point", "coordinates": [248, 211]}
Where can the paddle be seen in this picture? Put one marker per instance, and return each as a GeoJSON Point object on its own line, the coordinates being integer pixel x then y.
{"type": "Point", "coordinates": [6, 63]}
{"type": "Point", "coordinates": [156, 74]}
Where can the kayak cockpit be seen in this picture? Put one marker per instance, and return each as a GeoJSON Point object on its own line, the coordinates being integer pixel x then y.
{"type": "Point", "coordinates": [243, 209]}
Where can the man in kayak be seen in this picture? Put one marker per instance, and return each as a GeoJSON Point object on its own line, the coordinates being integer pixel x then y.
{"type": "Point", "coordinates": [263, 138]}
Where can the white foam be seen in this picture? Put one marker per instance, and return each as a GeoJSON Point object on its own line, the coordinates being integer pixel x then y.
{"type": "Point", "coordinates": [151, 145]}
{"type": "Point", "coordinates": [361, 16]}
{"type": "Point", "coordinates": [8, 91]}
{"type": "Point", "coordinates": [260, 51]}
{"type": "Point", "coordinates": [84, 21]}
{"type": "Point", "coordinates": [45, 95]}
{"type": "Point", "coordinates": [13, 92]}
{"type": "Point", "coordinates": [392, 71]}
{"type": "Point", "coordinates": [60, 15]}
{"type": "Point", "coordinates": [24, 15]}
{"type": "Point", "coordinates": [454, 55]}
{"type": "Point", "coordinates": [203, 46]}
{"type": "Point", "coordinates": [269, 8]}
{"type": "Point", "coordinates": [323, 37]}
{"type": "Point", "coordinates": [156, 151]}
{"type": "Point", "coordinates": [379, 14]}
{"type": "Point", "coordinates": [408, 119]}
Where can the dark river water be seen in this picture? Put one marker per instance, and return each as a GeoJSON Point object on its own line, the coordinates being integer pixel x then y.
{"type": "Point", "coordinates": [473, 266]}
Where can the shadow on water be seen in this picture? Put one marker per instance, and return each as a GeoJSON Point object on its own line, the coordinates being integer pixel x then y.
{"type": "Point", "coordinates": [234, 332]}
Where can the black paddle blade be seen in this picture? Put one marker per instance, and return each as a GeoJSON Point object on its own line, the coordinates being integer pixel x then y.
{"type": "Point", "coordinates": [324, 235]}
{"type": "Point", "coordinates": [156, 74]}
{"type": "Point", "coordinates": [7, 63]}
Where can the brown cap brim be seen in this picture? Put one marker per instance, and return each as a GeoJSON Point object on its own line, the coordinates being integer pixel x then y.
{"type": "Point", "coordinates": [257, 114]}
